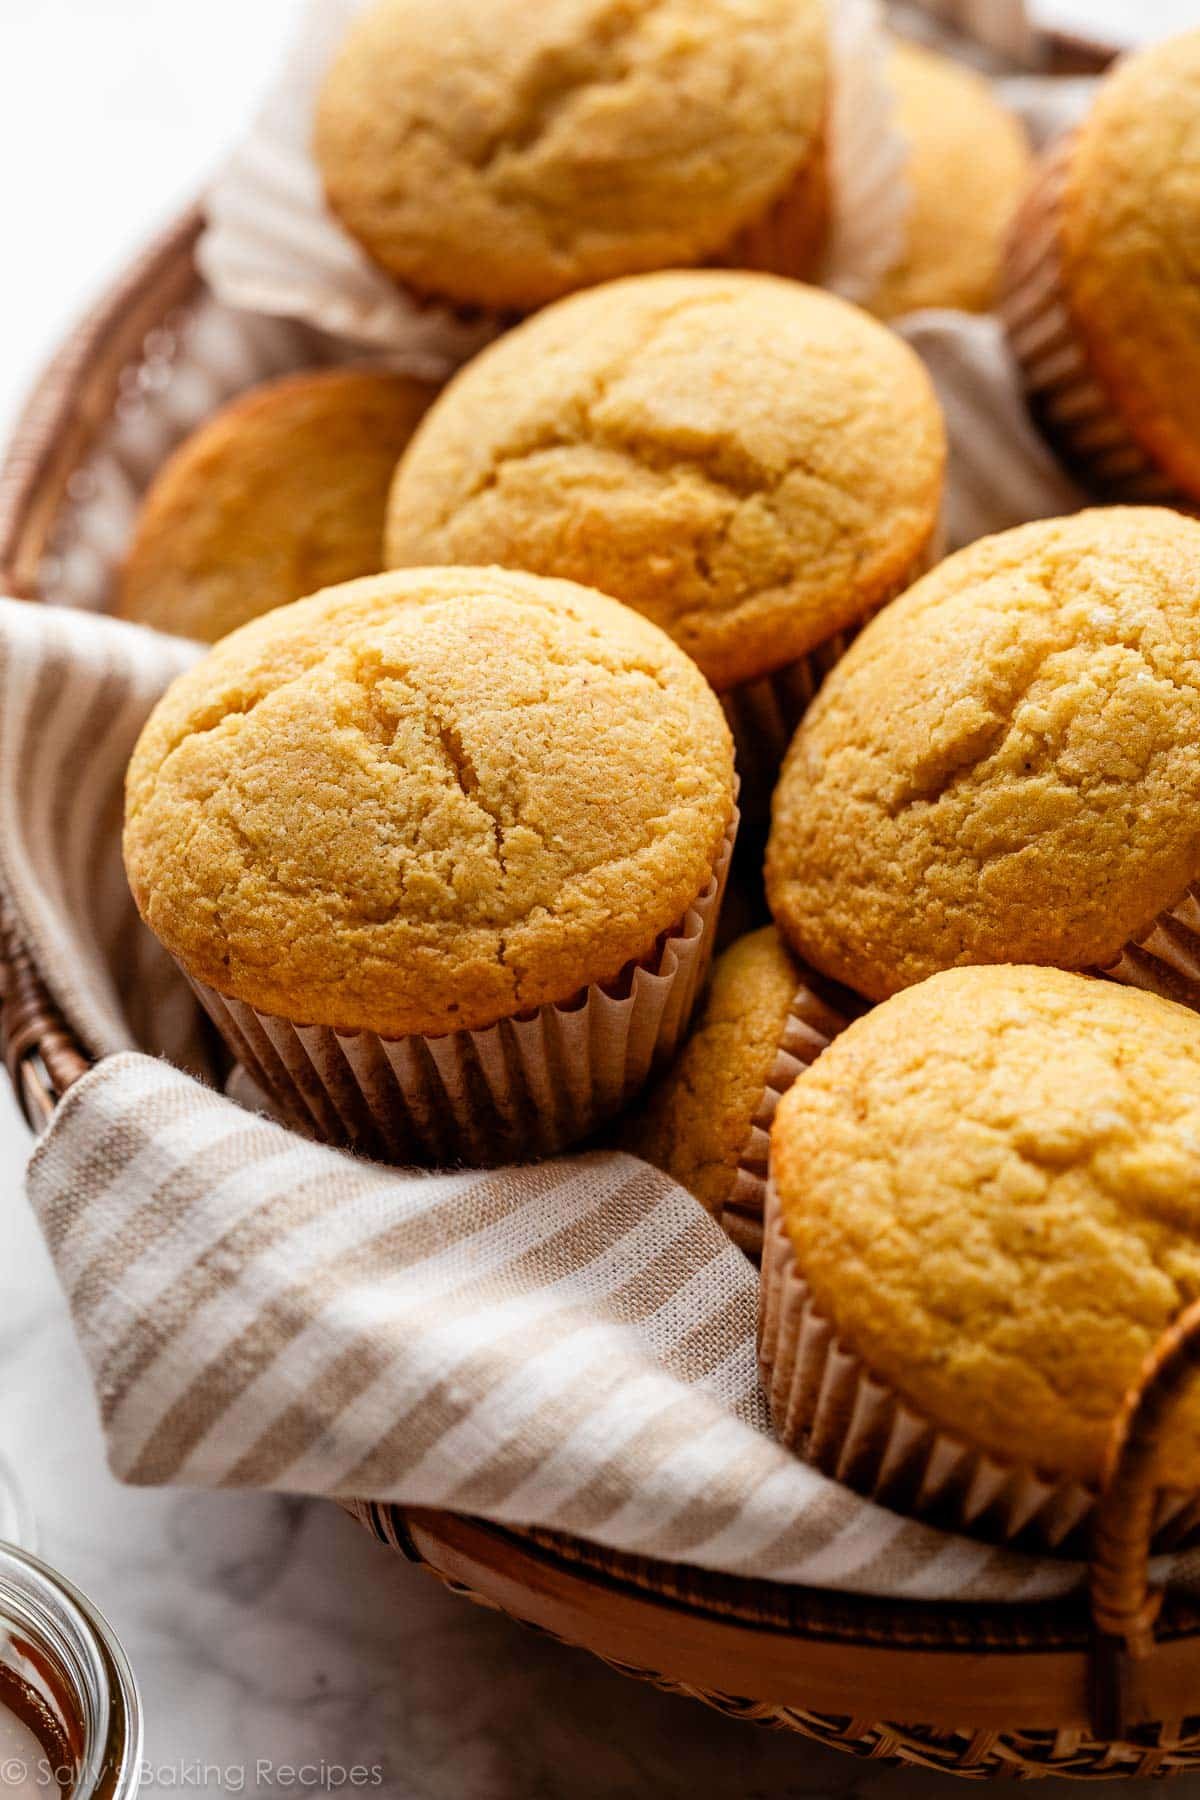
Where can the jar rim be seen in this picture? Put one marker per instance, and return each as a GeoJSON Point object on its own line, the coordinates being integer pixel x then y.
{"type": "Point", "coordinates": [90, 1658]}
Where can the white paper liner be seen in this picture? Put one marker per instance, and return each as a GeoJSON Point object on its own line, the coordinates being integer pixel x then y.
{"type": "Point", "coordinates": [1066, 397]}
{"type": "Point", "coordinates": [1165, 960]}
{"type": "Point", "coordinates": [869, 197]}
{"type": "Point", "coordinates": [763, 715]}
{"type": "Point", "coordinates": [829, 1407]}
{"type": "Point", "coordinates": [808, 1030]}
{"type": "Point", "coordinates": [527, 1086]}
{"type": "Point", "coordinates": [273, 246]}
{"type": "Point", "coordinates": [1001, 470]}
{"type": "Point", "coordinates": [1047, 106]}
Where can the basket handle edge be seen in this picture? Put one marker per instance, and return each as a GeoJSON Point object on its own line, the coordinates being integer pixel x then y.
{"type": "Point", "coordinates": [40, 1053]}
{"type": "Point", "coordinates": [1124, 1602]}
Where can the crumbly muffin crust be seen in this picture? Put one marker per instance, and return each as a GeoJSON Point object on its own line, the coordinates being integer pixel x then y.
{"type": "Point", "coordinates": [427, 801]}
{"type": "Point", "coordinates": [1003, 767]}
{"type": "Point", "coordinates": [696, 1122]}
{"type": "Point", "coordinates": [503, 155]}
{"type": "Point", "coordinates": [992, 1187]}
{"type": "Point", "coordinates": [1130, 246]}
{"type": "Point", "coordinates": [280, 493]}
{"type": "Point", "coordinates": [752, 463]}
{"type": "Point", "coordinates": [968, 163]}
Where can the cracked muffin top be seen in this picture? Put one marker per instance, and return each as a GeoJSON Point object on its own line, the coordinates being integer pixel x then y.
{"type": "Point", "coordinates": [1130, 244]}
{"type": "Point", "coordinates": [753, 464]}
{"type": "Point", "coordinates": [505, 154]}
{"type": "Point", "coordinates": [992, 1187]}
{"type": "Point", "coordinates": [1003, 766]}
{"type": "Point", "coordinates": [968, 162]}
{"type": "Point", "coordinates": [427, 801]}
{"type": "Point", "coordinates": [281, 492]}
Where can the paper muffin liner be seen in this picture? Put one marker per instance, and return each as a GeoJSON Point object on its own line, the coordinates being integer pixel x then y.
{"type": "Point", "coordinates": [844, 221]}
{"type": "Point", "coordinates": [829, 1407]}
{"type": "Point", "coordinates": [763, 714]}
{"type": "Point", "coordinates": [1066, 396]}
{"type": "Point", "coordinates": [530, 1085]}
{"type": "Point", "coordinates": [1165, 960]}
{"type": "Point", "coordinates": [867, 157]}
{"type": "Point", "coordinates": [273, 246]}
{"type": "Point", "coordinates": [810, 1028]}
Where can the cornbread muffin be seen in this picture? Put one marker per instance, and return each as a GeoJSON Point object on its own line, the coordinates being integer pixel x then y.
{"type": "Point", "coordinates": [280, 493]}
{"type": "Point", "coordinates": [1003, 766]}
{"type": "Point", "coordinates": [990, 1186]}
{"type": "Point", "coordinates": [1103, 284]}
{"type": "Point", "coordinates": [753, 464]}
{"type": "Point", "coordinates": [377, 808]}
{"type": "Point", "coordinates": [705, 1123]}
{"type": "Point", "coordinates": [505, 154]}
{"type": "Point", "coordinates": [967, 168]}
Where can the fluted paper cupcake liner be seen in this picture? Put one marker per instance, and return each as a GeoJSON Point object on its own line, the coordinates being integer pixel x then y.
{"type": "Point", "coordinates": [273, 246]}
{"type": "Point", "coordinates": [1068, 399]}
{"type": "Point", "coordinates": [1165, 960]}
{"type": "Point", "coordinates": [763, 714]}
{"type": "Point", "coordinates": [870, 198]}
{"type": "Point", "coordinates": [529, 1085]}
{"type": "Point", "coordinates": [829, 1407]}
{"type": "Point", "coordinates": [844, 222]}
{"type": "Point", "coordinates": [809, 1029]}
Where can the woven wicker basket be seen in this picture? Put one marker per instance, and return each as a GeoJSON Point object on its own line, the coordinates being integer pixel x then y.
{"type": "Point", "coordinates": [1039, 47]}
{"type": "Point", "coordinates": [1106, 1685]}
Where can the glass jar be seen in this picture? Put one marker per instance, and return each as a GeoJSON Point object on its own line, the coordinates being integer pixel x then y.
{"type": "Point", "coordinates": [70, 1719]}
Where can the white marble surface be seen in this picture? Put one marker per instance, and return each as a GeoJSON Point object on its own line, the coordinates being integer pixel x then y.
{"type": "Point", "coordinates": [263, 1629]}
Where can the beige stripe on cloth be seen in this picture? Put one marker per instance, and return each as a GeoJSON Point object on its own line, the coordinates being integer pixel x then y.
{"type": "Point", "coordinates": [569, 1344]}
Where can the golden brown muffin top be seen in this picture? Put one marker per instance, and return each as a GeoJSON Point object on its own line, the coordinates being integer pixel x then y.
{"type": "Point", "coordinates": [281, 492]}
{"type": "Point", "coordinates": [992, 1186]}
{"type": "Point", "coordinates": [968, 162]}
{"type": "Point", "coordinates": [750, 462]}
{"type": "Point", "coordinates": [697, 1121]}
{"type": "Point", "coordinates": [427, 801]}
{"type": "Point", "coordinates": [507, 153]}
{"type": "Point", "coordinates": [1003, 766]}
{"type": "Point", "coordinates": [1130, 239]}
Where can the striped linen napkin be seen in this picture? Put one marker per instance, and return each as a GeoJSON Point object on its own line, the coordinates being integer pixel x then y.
{"type": "Point", "coordinates": [568, 1344]}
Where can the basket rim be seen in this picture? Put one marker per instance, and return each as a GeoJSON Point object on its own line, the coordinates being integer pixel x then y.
{"type": "Point", "coordinates": [69, 401]}
{"type": "Point", "coordinates": [560, 1583]}
{"type": "Point", "coordinates": [1057, 50]}
{"type": "Point", "coordinates": [951, 1666]}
